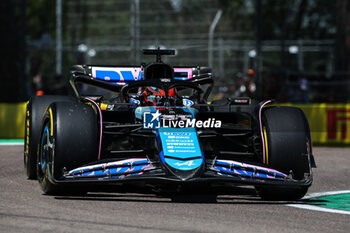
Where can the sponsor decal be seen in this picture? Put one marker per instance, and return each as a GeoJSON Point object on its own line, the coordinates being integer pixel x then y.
{"type": "Point", "coordinates": [134, 101]}
{"type": "Point", "coordinates": [122, 75]}
{"type": "Point", "coordinates": [118, 75]}
{"type": "Point", "coordinates": [188, 163]}
{"type": "Point", "coordinates": [329, 123]}
{"type": "Point", "coordinates": [183, 73]}
{"type": "Point", "coordinates": [181, 148]}
{"type": "Point", "coordinates": [337, 124]}
{"type": "Point", "coordinates": [187, 102]}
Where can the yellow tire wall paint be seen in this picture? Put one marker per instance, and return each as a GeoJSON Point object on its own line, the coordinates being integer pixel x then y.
{"type": "Point", "coordinates": [12, 119]}
{"type": "Point", "coordinates": [329, 123]}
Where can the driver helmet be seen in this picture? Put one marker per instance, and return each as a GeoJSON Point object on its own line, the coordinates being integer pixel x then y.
{"type": "Point", "coordinates": [153, 96]}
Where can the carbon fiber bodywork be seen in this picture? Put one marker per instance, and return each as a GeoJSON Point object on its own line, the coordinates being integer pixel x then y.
{"type": "Point", "coordinates": [173, 139]}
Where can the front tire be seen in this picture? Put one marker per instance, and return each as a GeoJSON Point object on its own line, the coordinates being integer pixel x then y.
{"type": "Point", "coordinates": [34, 114]}
{"type": "Point", "coordinates": [69, 140]}
{"type": "Point", "coordinates": [288, 144]}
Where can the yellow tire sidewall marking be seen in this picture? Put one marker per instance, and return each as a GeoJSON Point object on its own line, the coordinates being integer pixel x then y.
{"type": "Point", "coordinates": [51, 122]}
{"type": "Point", "coordinates": [266, 146]}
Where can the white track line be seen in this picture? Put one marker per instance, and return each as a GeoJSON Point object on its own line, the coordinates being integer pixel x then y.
{"type": "Point", "coordinates": [12, 144]}
{"type": "Point", "coordinates": [323, 209]}
{"type": "Point", "coordinates": [320, 194]}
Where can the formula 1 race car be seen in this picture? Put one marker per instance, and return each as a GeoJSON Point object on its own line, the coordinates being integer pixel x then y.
{"type": "Point", "coordinates": [151, 126]}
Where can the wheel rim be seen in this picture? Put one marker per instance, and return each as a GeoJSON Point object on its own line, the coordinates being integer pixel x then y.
{"type": "Point", "coordinates": [44, 153]}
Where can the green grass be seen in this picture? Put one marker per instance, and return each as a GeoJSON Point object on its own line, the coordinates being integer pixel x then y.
{"type": "Point", "coordinates": [11, 141]}
{"type": "Point", "coordinates": [339, 201]}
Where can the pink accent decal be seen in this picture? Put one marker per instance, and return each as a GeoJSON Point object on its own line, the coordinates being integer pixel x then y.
{"type": "Point", "coordinates": [100, 114]}
{"type": "Point", "coordinates": [136, 174]}
{"type": "Point", "coordinates": [121, 81]}
{"type": "Point", "coordinates": [131, 161]}
{"type": "Point", "coordinates": [261, 129]}
{"type": "Point", "coordinates": [188, 70]}
{"type": "Point", "coordinates": [249, 166]}
{"type": "Point", "coordinates": [135, 71]}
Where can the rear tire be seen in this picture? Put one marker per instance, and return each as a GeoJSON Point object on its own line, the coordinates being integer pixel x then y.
{"type": "Point", "coordinates": [34, 114]}
{"type": "Point", "coordinates": [69, 140]}
{"type": "Point", "coordinates": [288, 142]}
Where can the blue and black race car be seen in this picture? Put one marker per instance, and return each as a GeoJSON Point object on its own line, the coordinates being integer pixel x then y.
{"type": "Point", "coordinates": [151, 126]}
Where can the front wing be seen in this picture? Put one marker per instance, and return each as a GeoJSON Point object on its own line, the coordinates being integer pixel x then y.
{"type": "Point", "coordinates": [143, 170]}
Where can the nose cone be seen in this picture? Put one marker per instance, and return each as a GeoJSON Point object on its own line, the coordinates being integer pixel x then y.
{"type": "Point", "coordinates": [184, 175]}
{"type": "Point", "coordinates": [181, 153]}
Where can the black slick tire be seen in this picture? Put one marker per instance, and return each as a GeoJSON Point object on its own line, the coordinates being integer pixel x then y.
{"type": "Point", "coordinates": [288, 141]}
{"type": "Point", "coordinates": [34, 114]}
{"type": "Point", "coordinates": [69, 139]}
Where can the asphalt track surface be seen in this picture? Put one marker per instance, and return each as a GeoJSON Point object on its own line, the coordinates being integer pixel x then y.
{"type": "Point", "coordinates": [23, 207]}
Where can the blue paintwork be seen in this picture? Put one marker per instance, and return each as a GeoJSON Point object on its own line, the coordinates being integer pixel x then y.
{"type": "Point", "coordinates": [180, 143]}
{"type": "Point", "coordinates": [125, 74]}
{"type": "Point", "coordinates": [103, 169]}
{"type": "Point", "coordinates": [139, 111]}
{"type": "Point", "coordinates": [43, 161]}
{"type": "Point", "coordinates": [116, 76]}
{"type": "Point", "coordinates": [236, 169]}
{"type": "Point", "coordinates": [184, 165]}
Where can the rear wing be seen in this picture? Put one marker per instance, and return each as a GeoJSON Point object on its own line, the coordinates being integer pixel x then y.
{"type": "Point", "coordinates": [122, 75]}
{"type": "Point", "coordinates": [114, 78]}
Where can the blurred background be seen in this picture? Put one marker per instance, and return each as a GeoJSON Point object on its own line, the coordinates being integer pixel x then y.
{"type": "Point", "coordinates": [295, 51]}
